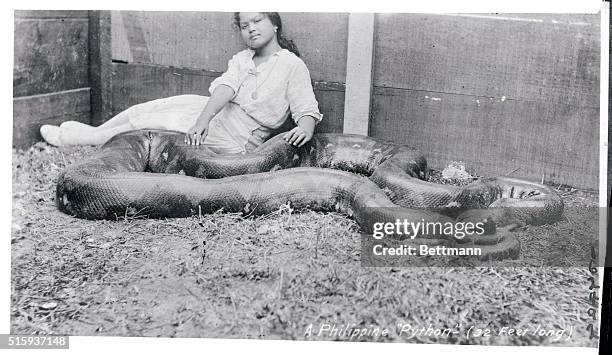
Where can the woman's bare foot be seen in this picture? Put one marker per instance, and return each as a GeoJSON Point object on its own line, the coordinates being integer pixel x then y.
{"type": "Point", "coordinates": [51, 134]}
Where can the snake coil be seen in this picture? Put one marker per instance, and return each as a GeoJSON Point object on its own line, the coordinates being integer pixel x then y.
{"type": "Point", "coordinates": [154, 173]}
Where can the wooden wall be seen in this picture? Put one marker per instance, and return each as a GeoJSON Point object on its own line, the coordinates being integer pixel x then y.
{"type": "Point", "coordinates": [502, 93]}
{"type": "Point", "coordinates": [50, 73]}
{"type": "Point", "coordinates": [159, 54]}
{"type": "Point", "coordinates": [499, 93]}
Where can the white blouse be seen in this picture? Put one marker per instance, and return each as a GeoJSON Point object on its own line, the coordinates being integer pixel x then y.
{"type": "Point", "coordinates": [264, 96]}
{"type": "Point", "coordinates": [270, 91]}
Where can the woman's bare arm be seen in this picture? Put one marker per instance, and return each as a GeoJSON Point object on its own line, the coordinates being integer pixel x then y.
{"type": "Point", "coordinates": [220, 97]}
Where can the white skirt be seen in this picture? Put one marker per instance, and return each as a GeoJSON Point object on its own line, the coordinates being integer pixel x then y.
{"type": "Point", "coordinates": [176, 113]}
{"type": "Point", "coordinates": [180, 113]}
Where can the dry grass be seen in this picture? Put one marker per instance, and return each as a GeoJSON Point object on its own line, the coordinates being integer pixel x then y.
{"type": "Point", "coordinates": [224, 275]}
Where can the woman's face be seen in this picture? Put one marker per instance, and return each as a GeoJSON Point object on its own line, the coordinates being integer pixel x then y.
{"type": "Point", "coordinates": [256, 29]}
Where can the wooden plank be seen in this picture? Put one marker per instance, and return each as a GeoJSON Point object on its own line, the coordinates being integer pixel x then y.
{"type": "Point", "coordinates": [207, 40]}
{"type": "Point", "coordinates": [49, 56]}
{"type": "Point", "coordinates": [100, 66]}
{"type": "Point", "coordinates": [328, 86]}
{"type": "Point", "coordinates": [322, 39]}
{"type": "Point", "coordinates": [188, 39]}
{"type": "Point", "coordinates": [544, 61]}
{"type": "Point", "coordinates": [31, 112]}
{"type": "Point", "coordinates": [134, 28]}
{"type": "Point", "coordinates": [137, 83]}
{"type": "Point", "coordinates": [610, 119]}
{"type": "Point", "coordinates": [50, 14]}
{"type": "Point", "coordinates": [331, 105]}
{"type": "Point", "coordinates": [120, 46]}
{"type": "Point", "coordinates": [360, 54]}
{"type": "Point", "coordinates": [557, 141]}
{"type": "Point", "coordinates": [566, 19]}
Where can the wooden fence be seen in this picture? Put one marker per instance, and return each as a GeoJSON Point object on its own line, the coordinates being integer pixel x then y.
{"type": "Point", "coordinates": [496, 92]}
{"type": "Point", "coordinates": [502, 93]}
{"type": "Point", "coordinates": [51, 71]}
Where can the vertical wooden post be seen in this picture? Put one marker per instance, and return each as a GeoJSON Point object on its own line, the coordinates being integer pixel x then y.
{"type": "Point", "coordinates": [605, 244]}
{"type": "Point", "coordinates": [360, 54]}
{"type": "Point", "coordinates": [100, 66]}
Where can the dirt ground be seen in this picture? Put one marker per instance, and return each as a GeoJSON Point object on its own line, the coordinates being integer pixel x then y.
{"type": "Point", "coordinates": [273, 277]}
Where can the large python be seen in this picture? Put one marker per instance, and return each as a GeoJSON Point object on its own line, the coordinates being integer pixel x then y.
{"type": "Point", "coordinates": [155, 174]}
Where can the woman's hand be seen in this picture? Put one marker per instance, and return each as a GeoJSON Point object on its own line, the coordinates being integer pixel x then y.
{"type": "Point", "coordinates": [196, 134]}
{"type": "Point", "coordinates": [303, 133]}
{"type": "Point", "coordinates": [221, 96]}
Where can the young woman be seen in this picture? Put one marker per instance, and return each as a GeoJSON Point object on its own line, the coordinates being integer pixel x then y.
{"type": "Point", "coordinates": [262, 86]}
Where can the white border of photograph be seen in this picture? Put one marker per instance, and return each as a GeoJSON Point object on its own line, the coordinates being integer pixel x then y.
{"type": "Point", "coordinates": [104, 345]}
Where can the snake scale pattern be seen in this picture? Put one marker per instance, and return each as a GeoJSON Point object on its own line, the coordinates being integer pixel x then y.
{"type": "Point", "coordinates": [155, 174]}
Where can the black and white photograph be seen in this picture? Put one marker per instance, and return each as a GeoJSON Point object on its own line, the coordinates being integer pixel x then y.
{"type": "Point", "coordinates": [411, 177]}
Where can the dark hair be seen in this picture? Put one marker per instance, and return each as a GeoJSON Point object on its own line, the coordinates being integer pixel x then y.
{"type": "Point", "coordinates": [274, 17]}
